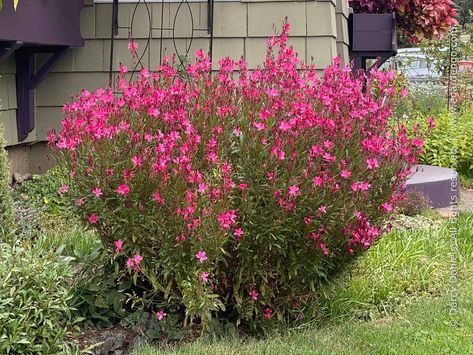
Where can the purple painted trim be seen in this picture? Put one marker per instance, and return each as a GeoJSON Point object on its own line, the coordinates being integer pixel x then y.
{"type": "Point", "coordinates": [43, 22]}
{"type": "Point", "coordinates": [372, 36]}
{"type": "Point", "coordinates": [27, 80]}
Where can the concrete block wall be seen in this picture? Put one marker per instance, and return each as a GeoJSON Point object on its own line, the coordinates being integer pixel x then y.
{"type": "Point", "coordinates": [319, 33]}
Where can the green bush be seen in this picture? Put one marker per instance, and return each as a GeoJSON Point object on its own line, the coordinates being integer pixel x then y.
{"type": "Point", "coordinates": [44, 190]}
{"type": "Point", "coordinates": [34, 314]}
{"type": "Point", "coordinates": [6, 201]}
{"type": "Point", "coordinates": [448, 133]}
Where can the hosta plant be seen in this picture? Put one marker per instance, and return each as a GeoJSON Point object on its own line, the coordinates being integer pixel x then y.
{"type": "Point", "coordinates": [238, 192]}
{"type": "Point", "coordinates": [417, 19]}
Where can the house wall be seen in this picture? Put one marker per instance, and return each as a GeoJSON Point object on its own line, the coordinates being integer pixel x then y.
{"type": "Point", "coordinates": [319, 33]}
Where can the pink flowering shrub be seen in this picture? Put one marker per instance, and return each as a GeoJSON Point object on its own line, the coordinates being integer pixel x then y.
{"type": "Point", "coordinates": [237, 192]}
{"type": "Point", "coordinates": [417, 19]}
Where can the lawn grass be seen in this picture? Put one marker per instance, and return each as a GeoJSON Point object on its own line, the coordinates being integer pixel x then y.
{"type": "Point", "coordinates": [398, 301]}
{"type": "Point", "coordinates": [420, 328]}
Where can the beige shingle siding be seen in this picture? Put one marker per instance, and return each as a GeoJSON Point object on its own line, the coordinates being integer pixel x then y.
{"type": "Point", "coordinates": [319, 33]}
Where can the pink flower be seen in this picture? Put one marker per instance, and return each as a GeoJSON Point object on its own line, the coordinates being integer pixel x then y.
{"type": "Point", "coordinates": [260, 126]}
{"type": "Point", "coordinates": [137, 161]}
{"type": "Point", "coordinates": [124, 68]}
{"type": "Point", "coordinates": [254, 295]}
{"type": "Point", "coordinates": [132, 47]}
{"type": "Point", "coordinates": [128, 174]}
{"type": "Point", "coordinates": [80, 201]}
{"type": "Point", "coordinates": [387, 207]}
{"type": "Point", "coordinates": [318, 181]}
{"type": "Point", "coordinates": [123, 190]}
{"type": "Point", "coordinates": [134, 262]}
{"type": "Point", "coordinates": [345, 173]}
{"type": "Point", "coordinates": [294, 190]}
{"type": "Point", "coordinates": [268, 313]}
{"type": "Point", "coordinates": [372, 163]}
{"type": "Point", "coordinates": [97, 192]}
{"type": "Point", "coordinates": [227, 219]}
{"type": "Point", "coordinates": [109, 172]}
{"type": "Point", "coordinates": [201, 256]}
{"type": "Point", "coordinates": [63, 189]}
{"type": "Point", "coordinates": [324, 249]}
{"type": "Point", "coordinates": [363, 186]}
{"type": "Point", "coordinates": [322, 209]}
{"type": "Point", "coordinates": [212, 157]}
{"type": "Point", "coordinates": [243, 186]}
{"type": "Point", "coordinates": [237, 132]}
{"type": "Point", "coordinates": [202, 188]}
{"type": "Point", "coordinates": [272, 92]}
{"type": "Point", "coordinates": [161, 314]}
{"type": "Point", "coordinates": [157, 198]}
{"type": "Point", "coordinates": [238, 233]}
{"type": "Point", "coordinates": [204, 277]}
{"type": "Point", "coordinates": [93, 218]}
{"type": "Point", "coordinates": [431, 122]}
{"type": "Point", "coordinates": [118, 246]}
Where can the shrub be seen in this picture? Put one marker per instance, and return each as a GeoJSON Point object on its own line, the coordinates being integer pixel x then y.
{"type": "Point", "coordinates": [236, 193]}
{"type": "Point", "coordinates": [417, 19]}
{"type": "Point", "coordinates": [33, 301]}
{"type": "Point", "coordinates": [6, 201]}
{"type": "Point", "coordinates": [446, 134]}
{"type": "Point", "coordinates": [44, 191]}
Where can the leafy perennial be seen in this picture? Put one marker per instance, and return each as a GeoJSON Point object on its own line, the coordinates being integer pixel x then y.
{"type": "Point", "coordinates": [237, 192]}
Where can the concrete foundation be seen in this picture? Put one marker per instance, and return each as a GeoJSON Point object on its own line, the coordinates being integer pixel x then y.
{"type": "Point", "coordinates": [33, 158]}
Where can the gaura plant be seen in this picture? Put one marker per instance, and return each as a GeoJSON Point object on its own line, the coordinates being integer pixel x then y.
{"type": "Point", "coordinates": [237, 193]}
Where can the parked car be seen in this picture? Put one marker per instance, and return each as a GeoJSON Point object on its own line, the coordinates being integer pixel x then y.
{"type": "Point", "coordinates": [413, 63]}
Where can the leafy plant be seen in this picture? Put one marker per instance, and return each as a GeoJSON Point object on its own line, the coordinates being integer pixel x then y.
{"type": "Point", "coordinates": [446, 135]}
{"type": "Point", "coordinates": [34, 314]}
{"type": "Point", "coordinates": [236, 194]}
{"type": "Point", "coordinates": [6, 201]}
{"type": "Point", "coordinates": [45, 192]}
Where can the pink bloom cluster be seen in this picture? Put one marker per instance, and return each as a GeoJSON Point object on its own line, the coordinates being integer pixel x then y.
{"type": "Point", "coordinates": [241, 175]}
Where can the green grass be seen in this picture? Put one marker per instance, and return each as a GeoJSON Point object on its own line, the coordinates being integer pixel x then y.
{"type": "Point", "coordinates": [421, 328]}
{"type": "Point", "coordinates": [397, 301]}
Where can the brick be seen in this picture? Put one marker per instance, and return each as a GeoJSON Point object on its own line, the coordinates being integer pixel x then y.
{"type": "Point", "coordinates": [321, 19]}
{"type": "Point", "coordinates": [266, 18]}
